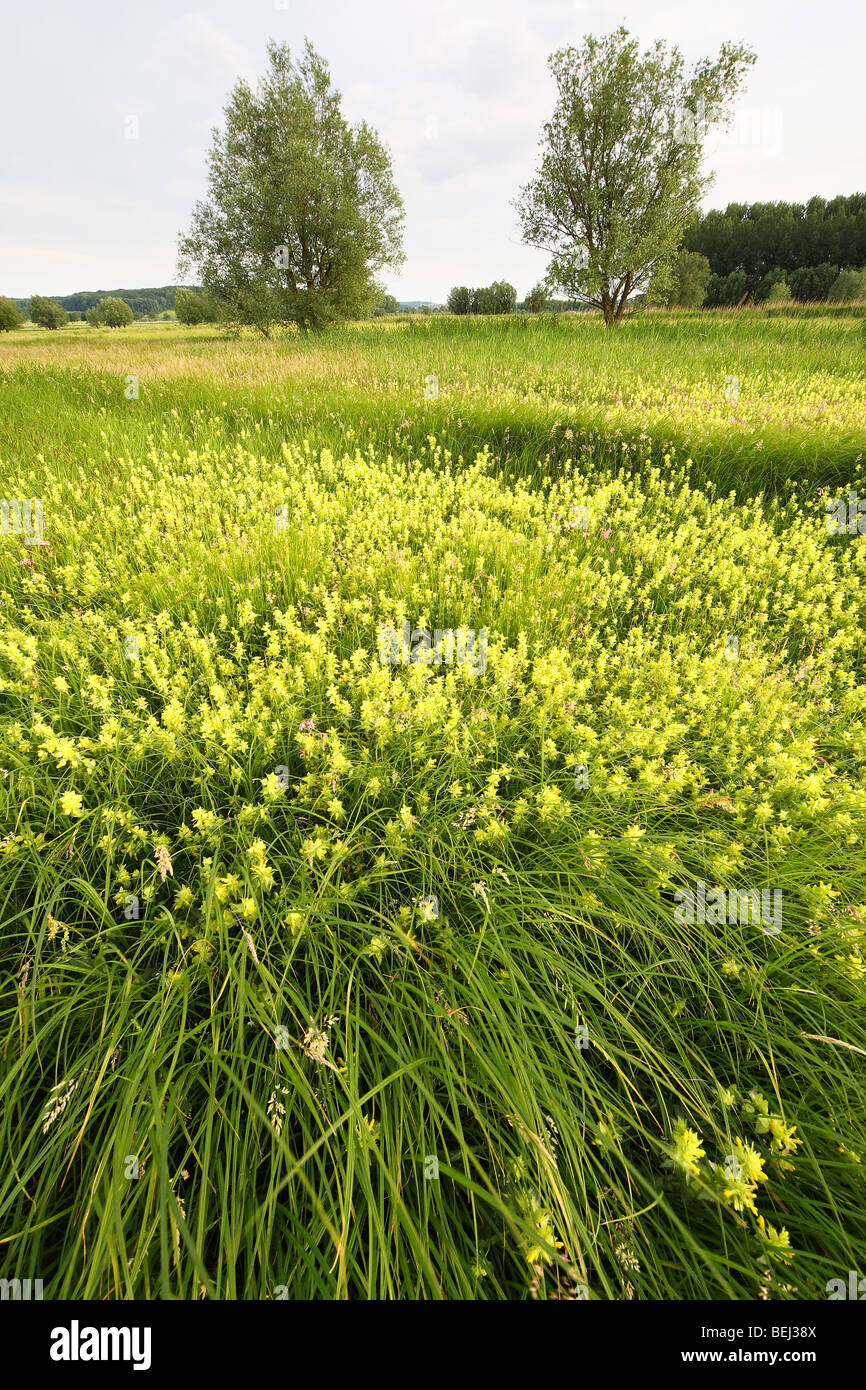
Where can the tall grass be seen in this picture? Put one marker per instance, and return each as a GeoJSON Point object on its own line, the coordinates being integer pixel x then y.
{"type": "Point", "coordinates": [353, 981]}
{"type": "Point", "coordinates": [758, 402]}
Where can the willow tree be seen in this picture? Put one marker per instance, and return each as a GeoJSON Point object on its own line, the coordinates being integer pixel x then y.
{"type": "Point", "coordinates": [302, 208]}
{"type": "Point", "coordinates": [620, 171]}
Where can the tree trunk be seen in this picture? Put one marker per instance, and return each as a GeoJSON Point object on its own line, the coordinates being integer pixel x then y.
{"type": "Point", "coordinates": [623, 299]}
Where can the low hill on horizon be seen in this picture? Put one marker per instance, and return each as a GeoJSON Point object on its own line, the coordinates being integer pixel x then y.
{"type": "Point", "coordinates": [144, 302]}
{"type": "Point", "coordinates": [149, 303]}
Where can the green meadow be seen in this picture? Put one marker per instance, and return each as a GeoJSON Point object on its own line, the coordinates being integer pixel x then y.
{"type": "Point", "coordinates": [333, 974]}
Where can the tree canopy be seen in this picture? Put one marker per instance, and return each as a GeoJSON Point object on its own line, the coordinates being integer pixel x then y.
{"type": "Point", "coordinates": [537, 299]}
{"type": "Point", "coordinates": [851, 284]}
{"type": "Point", "coordinates": [386, 305]}
{"type": "Point", "coordinates": [497, 298]}
{"type": "Point", "coordinates": [192, 308]}
{"type": "Point", "coordinates": [110, 313]}
{"type": "Point", "coordinates": [9, 315]}
{"type": "Point", "coordinates": [302, 208]}
{"type": "Point", "coordinates": [47, 313]}
{"type": "Point", "coordinates": [750, 246]}
{"type": "Point", "coordinates": [686, 285]}
{"type": "Point", "coordinates": [620, 167]}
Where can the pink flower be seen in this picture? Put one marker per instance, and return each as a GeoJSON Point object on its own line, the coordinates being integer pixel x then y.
{"type": "Point", "coordinates": [605, 534]}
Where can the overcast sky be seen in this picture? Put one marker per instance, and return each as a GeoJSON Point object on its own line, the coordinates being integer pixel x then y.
{"type": "Point", "coordinates": [107, 109]}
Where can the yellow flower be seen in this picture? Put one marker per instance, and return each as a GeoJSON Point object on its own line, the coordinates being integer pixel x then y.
{"type": "Point", "coordinates": [783, 1137]}
{"type": "Point", "coordinates": [263, 874]}
{"type": "Point", "coordinates": [686, 1150]}
{"type": "Point", "coordinates": [71, 804]}
{"type": "Point", "coordinates": [272, 787]}
{"type": "Point", "coordinates": [550, 803]}
{"type": "Point", "coordinates": [205, 821]}
{"type": "Point", "coordinates": [779, 1241]}
{"type": "Point", "coordinates": [173, 716]}
{"type": "Point", "coordinates": [740, 1193]}
{"type": "Point", "coordinates": [750, 1161]}
{"type": "Point", "coordinates": [227, 887]}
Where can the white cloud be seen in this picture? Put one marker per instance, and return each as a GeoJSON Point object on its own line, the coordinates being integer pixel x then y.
{"type": "Point", "coordinates": [202, 53]}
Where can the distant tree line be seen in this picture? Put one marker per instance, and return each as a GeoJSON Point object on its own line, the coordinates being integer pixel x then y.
{"type": "Point", "coordinates": [387, 305]}
{"type": "Point", "coordinates": [189, 305]}
{"type": "Point", "coordinates": [145, 303]}
{"type": "Point", "coordinates": [750, 253]}
{"type": "Point", "coordinates": [105, 311]}
{"type": "Point", "coordinates": [759, 252]}
{"type": "Point", "coordinates": [498, 298]}
{"type": "Point", "coordinates": [816, 249]}
{"type": "Point", "coordinates": [501, 298]}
